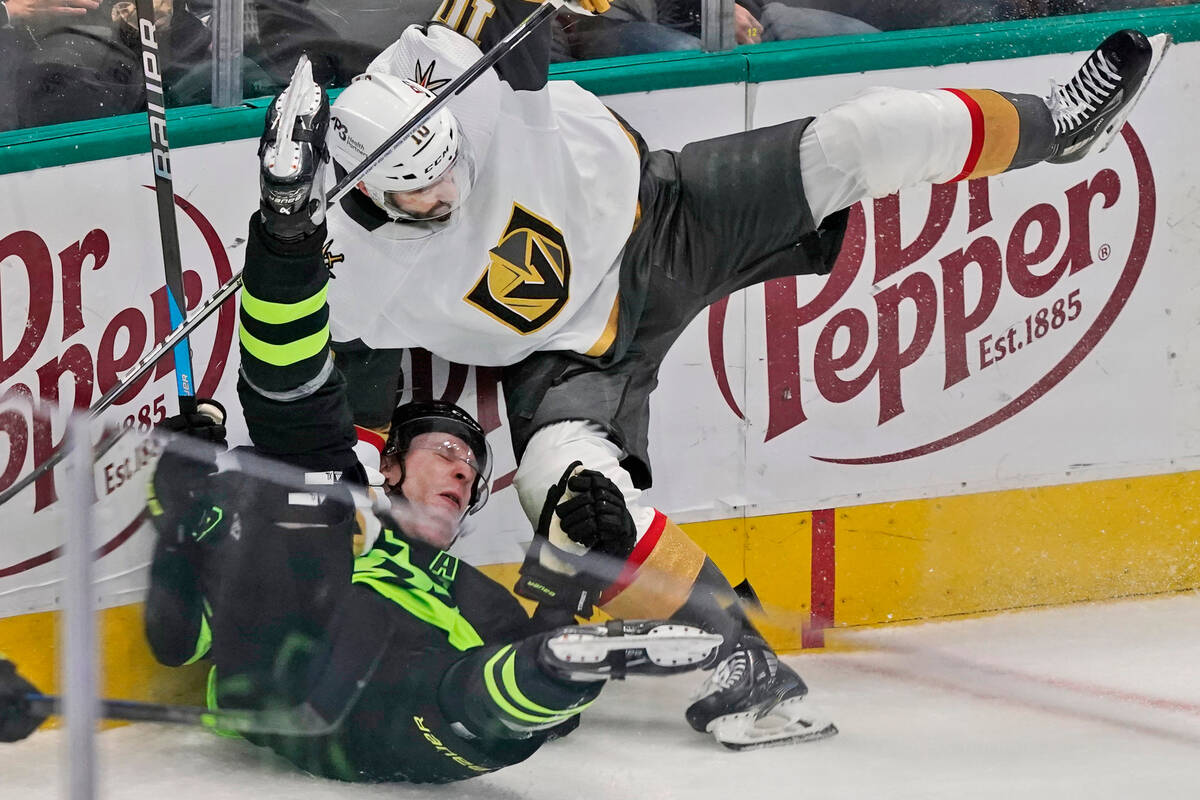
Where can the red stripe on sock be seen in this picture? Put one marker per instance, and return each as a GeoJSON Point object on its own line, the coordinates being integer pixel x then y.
{"type": "Point", "coordinates": [641, 552]}
{"type": "Point", "coordinates": [821, 593]}
{"type": "Point", "coordinates": [977, 133]}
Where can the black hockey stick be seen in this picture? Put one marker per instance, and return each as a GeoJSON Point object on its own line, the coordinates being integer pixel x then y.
{"type": "Point", "coordinates": [301, 720]}
{"type": "Point", "coordinates": [164, 193]}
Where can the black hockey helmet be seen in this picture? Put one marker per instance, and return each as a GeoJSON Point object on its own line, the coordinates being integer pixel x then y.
{"type": "Point", "coordinates": [412, 419]}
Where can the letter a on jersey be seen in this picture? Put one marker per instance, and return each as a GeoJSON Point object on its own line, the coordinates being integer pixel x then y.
{"type": "Point", "coordinates": [528, 277]}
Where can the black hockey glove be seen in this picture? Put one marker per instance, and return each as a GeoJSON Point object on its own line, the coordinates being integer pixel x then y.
{"type": "Point", "coordinates": [206, 423]}
{"type": "Point", "coordinates": [180, 485]}
{"type": "Point", "coordinates": [579, 545]}
{"type": "Point", "coordinates": [17, 719]}
{"type": "Point", "coordinates": [596, 517]}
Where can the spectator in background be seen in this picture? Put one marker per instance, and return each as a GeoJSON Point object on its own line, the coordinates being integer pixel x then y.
{"type": "Point", "coordinates": [17, 13]}
{"type": "Point", "coordinates": [68, 64]}
{"type": "Point", "coordinates": [70, 60]}
{"type": "Point", "coordinates": [1055, 7]}
{"type": "Point", "coordinates": [632, 27]}
{"type": "Point", "coordinates": [794, 19]}
{"type": "Point", "coordinates": [19, 21]}
{"type": "Point", "coordinates": [778, 21]}
{"type": "Point", "coordinates": [904, 14]}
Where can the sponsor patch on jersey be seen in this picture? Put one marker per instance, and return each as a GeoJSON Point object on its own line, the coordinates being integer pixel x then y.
{"type": "Point", "coordinates": [528, 277]}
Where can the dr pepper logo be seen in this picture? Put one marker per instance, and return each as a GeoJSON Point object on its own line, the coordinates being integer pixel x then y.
{"type": "Point", "coordinates": [58, 350]}
{"type": "Point", "coordinates": [977, 302]}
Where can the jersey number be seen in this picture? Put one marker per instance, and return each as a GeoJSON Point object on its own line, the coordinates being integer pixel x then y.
{"type": "Point", "coordinates": [466, 16]}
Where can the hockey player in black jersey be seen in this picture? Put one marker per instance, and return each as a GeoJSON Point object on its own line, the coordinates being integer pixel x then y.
{"type": "Point", "coordinates": [527, 226]}
{"type": "Point", "coordinates": [429, 670]}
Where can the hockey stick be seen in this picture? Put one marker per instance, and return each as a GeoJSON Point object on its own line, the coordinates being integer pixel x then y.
{"type": "Point", "coordinates": [514, 37]}
{"type": "Point", "coordinates": [164, 193]}
{"type": "Point", "coordinates": [298, 721]}
{"type": "Point", "coordinates": [301, 720]}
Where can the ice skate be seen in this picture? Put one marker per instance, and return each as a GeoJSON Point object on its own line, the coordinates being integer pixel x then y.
{"type": "Point", "coordinates": [753, 700]}
{"type": "Point", "coordinates": [292, 153]}
{"type": "Point", "coordinates": [1089, 109]}
{"type": "Point", "coordinates": [626, 647]}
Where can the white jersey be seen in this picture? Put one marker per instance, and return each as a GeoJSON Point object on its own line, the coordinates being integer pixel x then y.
{"type": "Point", "coordinates": [531, 259]}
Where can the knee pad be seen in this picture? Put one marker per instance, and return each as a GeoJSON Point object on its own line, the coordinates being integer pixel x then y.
{"type": "Point", "coordinates": [886, 139]}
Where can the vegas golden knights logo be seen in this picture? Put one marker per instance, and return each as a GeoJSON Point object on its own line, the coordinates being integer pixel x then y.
{"type": "Point", "coordinates": [528, 278]}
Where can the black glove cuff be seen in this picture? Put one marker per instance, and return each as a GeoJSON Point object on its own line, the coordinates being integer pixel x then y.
{"type": "Point", "coordinates": [555, 590]}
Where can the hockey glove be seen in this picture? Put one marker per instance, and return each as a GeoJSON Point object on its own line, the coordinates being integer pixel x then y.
{"type": "Point", "coordinates": [179, 486]}
{"type": "Point", "coordinates": [596, 516]}
{"type": "Point", "coordinates": [206, 423]}
{"type": "Point", "coordinates": [583, 536]}
{"type": "Point", "coordinates": [17, 719]}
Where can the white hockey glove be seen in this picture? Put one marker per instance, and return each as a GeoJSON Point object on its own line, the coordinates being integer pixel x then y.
{"type": "Point", "coordinates": [583, 537]}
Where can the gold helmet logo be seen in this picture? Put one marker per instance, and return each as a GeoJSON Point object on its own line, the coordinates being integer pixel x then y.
{"type": "Point", "coordinates": [527, 279]}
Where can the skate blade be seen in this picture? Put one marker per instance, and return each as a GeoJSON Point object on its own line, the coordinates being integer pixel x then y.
{"type": "Point", "coordinates": [790, 722]}
{"type": "Point", "coordinates": [1159, 44]}
{"type": "Point", "coordinates": [285, 158]}
{"type": "Point", "coordinates": [664, 646]}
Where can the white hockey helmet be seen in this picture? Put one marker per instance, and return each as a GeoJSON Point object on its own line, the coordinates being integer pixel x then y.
{"type": "Point", "coordinates": [428, 175]}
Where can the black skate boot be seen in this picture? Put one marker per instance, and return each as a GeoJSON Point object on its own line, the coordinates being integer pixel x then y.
{"type": "Point", "coordinates": [625, 647]}
{"type": "Point", "coordinates": [292, 154]}
{"type": "Point", "coordinates": [1089, 110]}
{"type": "Point", "coordinates": [754, 700]}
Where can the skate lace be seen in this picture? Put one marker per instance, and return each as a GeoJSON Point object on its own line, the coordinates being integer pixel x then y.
{"type": "Point", "coordinates": [1096, 82]}
{"type": "Point", "coordinates": [725, 675]}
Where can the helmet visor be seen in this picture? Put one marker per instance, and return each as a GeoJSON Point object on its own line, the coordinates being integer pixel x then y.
{"type": "Point", "coordinates": [449, 447]}
{"type": "Point", "coordinates": [428, 433]}
{"type": "Point", "coordinates": [439, 199]}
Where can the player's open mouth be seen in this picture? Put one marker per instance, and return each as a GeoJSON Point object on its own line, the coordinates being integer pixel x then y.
{"type": "Point", "coordinates": [454, 499]}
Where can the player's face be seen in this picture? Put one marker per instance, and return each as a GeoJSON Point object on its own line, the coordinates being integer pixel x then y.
{"type": "Point", "coordinates": [432, 202]}
{"type": "Point", "coordinates": [439, 472]}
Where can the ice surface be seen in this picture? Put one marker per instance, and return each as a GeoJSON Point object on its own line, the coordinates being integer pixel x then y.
{"type": "Point", "coordinates": [1090, 701]}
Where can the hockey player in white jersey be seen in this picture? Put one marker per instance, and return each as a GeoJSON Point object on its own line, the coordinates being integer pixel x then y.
{"type": "Point", "coordinates": [527, 226]}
